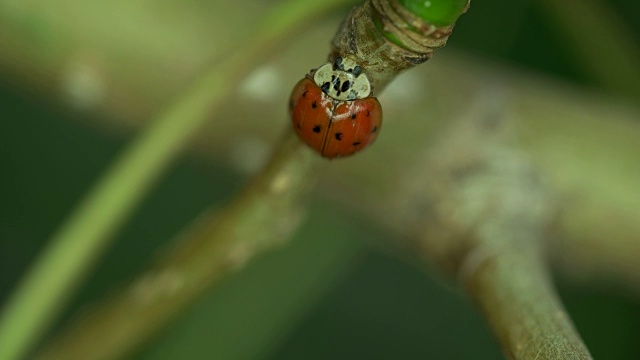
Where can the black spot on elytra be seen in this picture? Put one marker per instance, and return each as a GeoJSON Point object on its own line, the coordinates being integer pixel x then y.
{"type": "Point", "coordinates": [368, 113]}
{"type": "Point", "coordinates": [375, 128]}
{"type": "Point", "coordinates": [338, 136]}
{"type": "Point", "coordinates": [317, 128]}
{"type": "Point", "coordinates": [345, 86]}
{"type": "Point", "coordinates": [299, 126]}
{"type": "Point", "coordinates": [353, 116]}
{"type": "Point", "coordinates": [356, 143]}
{"type": "Point", "coordinates": [304, 94]}
{"type": "Point", "coordinates": [314, 104]}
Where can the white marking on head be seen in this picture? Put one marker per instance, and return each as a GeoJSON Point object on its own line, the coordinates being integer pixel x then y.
{"type": "Point", "coordinates": [343, 80]}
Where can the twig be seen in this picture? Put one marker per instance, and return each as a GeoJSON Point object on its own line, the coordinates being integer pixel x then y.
{"type": "Point", "coordinates": [387, 38]}
{"type": "Point", "coordinates": [485, 222]}
{"type": "Point", "coordinates": [514, 291]}
{"type": "Point", "coordinates": [263, 216]}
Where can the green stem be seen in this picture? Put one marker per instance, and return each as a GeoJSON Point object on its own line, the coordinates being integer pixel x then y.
{"type": "Point", "coordinates": [87, 231]}
{"type": "Point", "coordinates": [387, 38]}
{"type": "Point", "coordinates": [436, 12]}
{"type": "Point", "coordinates": [514, 291]}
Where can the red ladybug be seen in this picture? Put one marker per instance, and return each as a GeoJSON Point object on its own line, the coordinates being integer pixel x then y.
{"type": "Point", "coordinates": [333, 112]}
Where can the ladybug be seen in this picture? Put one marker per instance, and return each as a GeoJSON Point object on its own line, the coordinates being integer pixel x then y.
{"type": "Point", "coordinates": [332, 109]}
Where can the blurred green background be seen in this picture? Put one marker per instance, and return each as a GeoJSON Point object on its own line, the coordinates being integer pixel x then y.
{"type": "Point", "coordinates": [300, 301]}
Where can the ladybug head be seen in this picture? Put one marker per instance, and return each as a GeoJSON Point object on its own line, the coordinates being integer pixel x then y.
{"type": "Point", "coordinates": [343, 79]}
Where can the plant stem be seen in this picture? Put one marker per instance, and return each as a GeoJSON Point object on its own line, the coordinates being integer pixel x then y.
{"type": "Point", "coordinates": [82, 238]}
{"type": "Point", "coordinates": [217, 244]}
{"type": "Point", "coordinates": [485, 222]}
{"type": "Point", "coordinates": [387, 38]}
{"type": "Point", "coordinates": [514, 291]}
{"type": "Point", "coordinates": [437, 12]}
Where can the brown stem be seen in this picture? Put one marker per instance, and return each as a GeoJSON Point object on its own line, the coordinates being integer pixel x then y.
{"type": "Point", "coordinates": [514, 291]}
{"type": "Point", "coordinates": [484, 223]}
{"type": "Point", "coordinates": [218, 244]}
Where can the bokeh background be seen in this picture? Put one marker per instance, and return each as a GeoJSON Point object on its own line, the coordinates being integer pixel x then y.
{"type": "Point", "coordinates": [336, 290]}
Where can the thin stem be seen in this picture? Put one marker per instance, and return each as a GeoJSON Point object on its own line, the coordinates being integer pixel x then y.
{"type": "Point", "coordinates": [387, 38]}
{"type": "Point", "coordinates": [87, 231]}
{"type": "Point", "coordinates": [437, 12]}
{"type": "Point", "coordinates": [487, 214]}
{"type": "Point", "coordinates": [514, 291]}
{"type": "Point", "coordinates": [219, 243]}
